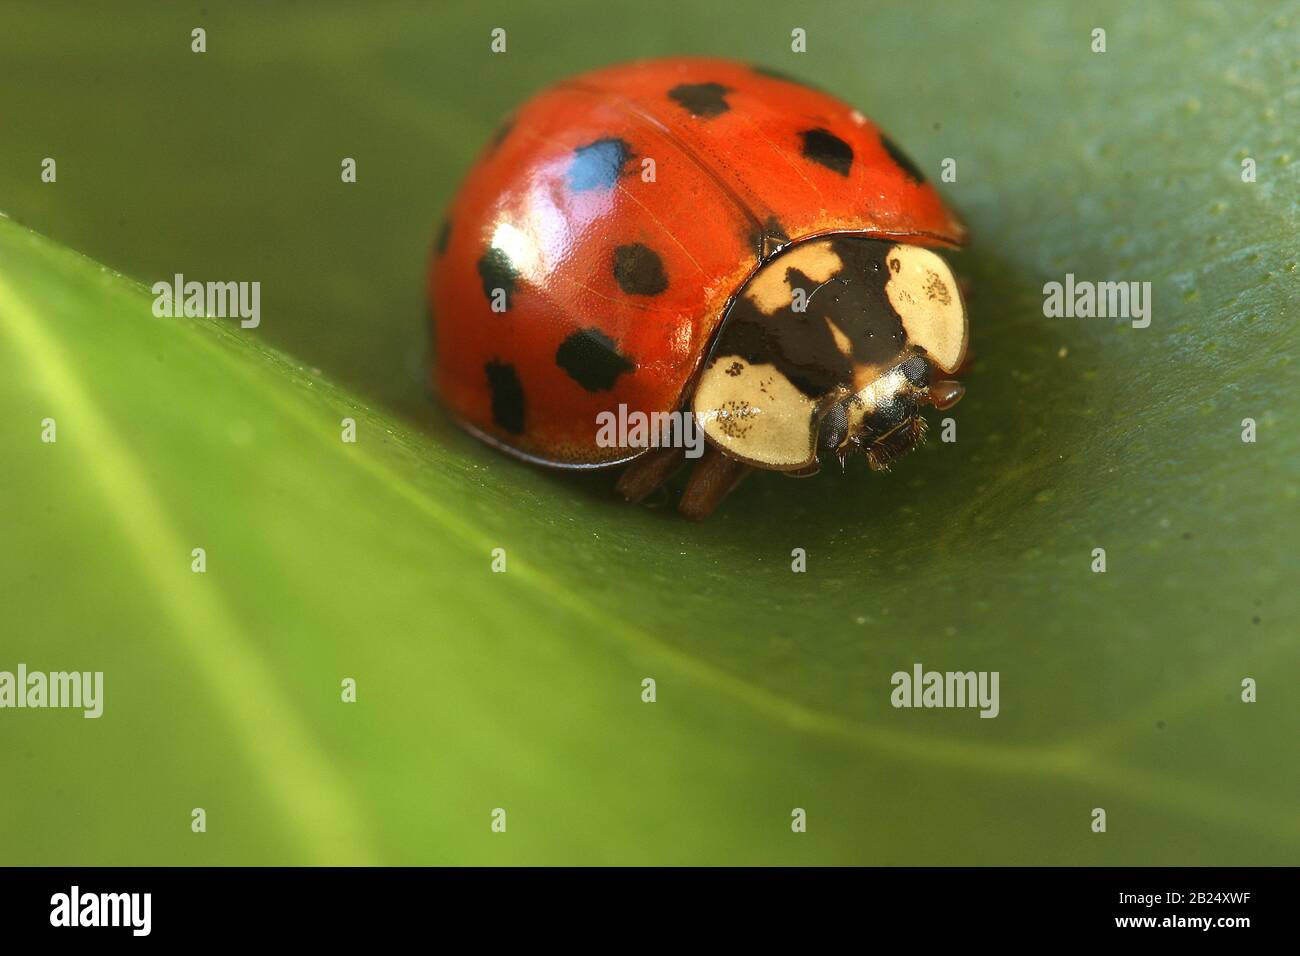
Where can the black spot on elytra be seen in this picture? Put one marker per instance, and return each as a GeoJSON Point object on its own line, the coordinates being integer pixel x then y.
{"type": "Point", "coordinates": [783, 77]}
{"type": "Point", "coordinates": [497, 272]}
{"type": "Point", "coordinates": [507, 395]}
{"type": "Point", "coordinates": [801, 344]}
{"type": "Point", "coordinates": [444, 234]}
{"type": "Point", "coordinates": [592, 359]}
{"type": "Point", "coordinates": [767, 239]}
{"type": "Point", "coordinates": [825, 148]}
{"type": "Point", "coordinates": [902, 159]}
{"type": "Point", "coordinates": [704, 100]}
{"type": "Point", "coordinates": [598, 164]}
{"type": "Point", "coordinates": [639, 270]}
{"type": "Point", "coordinates": [500, 135]}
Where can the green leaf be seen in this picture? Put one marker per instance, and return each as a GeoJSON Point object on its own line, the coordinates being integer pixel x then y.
{"type": "Point", "coordinates": [522, 690]}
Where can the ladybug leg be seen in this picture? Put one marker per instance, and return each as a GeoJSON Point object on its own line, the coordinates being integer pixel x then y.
{"type": "Point", "coordinates": [648, 472]}
{"type": "Point", "coordinates": [712, 479]}
{"type": "Point", "coordinates": [945, 394]}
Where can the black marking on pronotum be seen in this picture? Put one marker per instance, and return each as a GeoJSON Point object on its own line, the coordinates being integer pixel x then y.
{"type": "Point", "coordinates": [801, 344]}
{"type": "Point", "coordinates": [704, 100]}
{"type": "Point", "coordinates": [507, 395]}
{"type": "Point", "coordinates": [444, 234]}
{"type": "Point", "coordinates": [598, 164]}
{"type": "Point", "coordinates": [902, 159]}
{"type": "Point", "coordinates": [497, 272]}
{"type": "Point", "coordinates": [592, 359]}
{"type": "Point", "coordinates": [767, 240]}
{"type": "Point", "coordinates": [825, 148]}
{"type": "Point", "coordinates": [639, 270]}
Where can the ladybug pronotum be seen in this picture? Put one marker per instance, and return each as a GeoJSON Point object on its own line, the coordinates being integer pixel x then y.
{"type": "Point", "coordinates": [702, 236]}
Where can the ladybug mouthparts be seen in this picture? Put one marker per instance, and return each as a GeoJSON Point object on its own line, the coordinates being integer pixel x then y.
{"type": "Point", "coordinates": [884, 420]}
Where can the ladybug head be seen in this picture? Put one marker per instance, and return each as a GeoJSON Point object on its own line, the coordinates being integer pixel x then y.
{"type": "Point", "coordinates": [883, 420]}
{"type": "Point", "coordinates": [834, 345]}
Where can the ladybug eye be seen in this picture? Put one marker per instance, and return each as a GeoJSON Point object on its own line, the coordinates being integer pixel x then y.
{"type": "Point", "coordinates": [917, 371]}
{"type": "Point", "coordinates": [835, 426]}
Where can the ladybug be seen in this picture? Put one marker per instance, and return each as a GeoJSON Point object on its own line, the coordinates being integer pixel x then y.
{"type": "Point", "coordinates": [704, 237]}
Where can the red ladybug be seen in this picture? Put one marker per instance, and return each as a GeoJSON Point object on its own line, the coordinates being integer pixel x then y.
{"type": "Point", "coordinates": [704, 237]}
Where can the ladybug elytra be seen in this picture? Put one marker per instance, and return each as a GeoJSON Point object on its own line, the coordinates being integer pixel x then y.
{"type": "Point", "coordinates": [702, 236]}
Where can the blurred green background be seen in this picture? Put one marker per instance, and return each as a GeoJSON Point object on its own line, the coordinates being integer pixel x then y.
{"type": "Point", "coordinates": [522, 690]}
